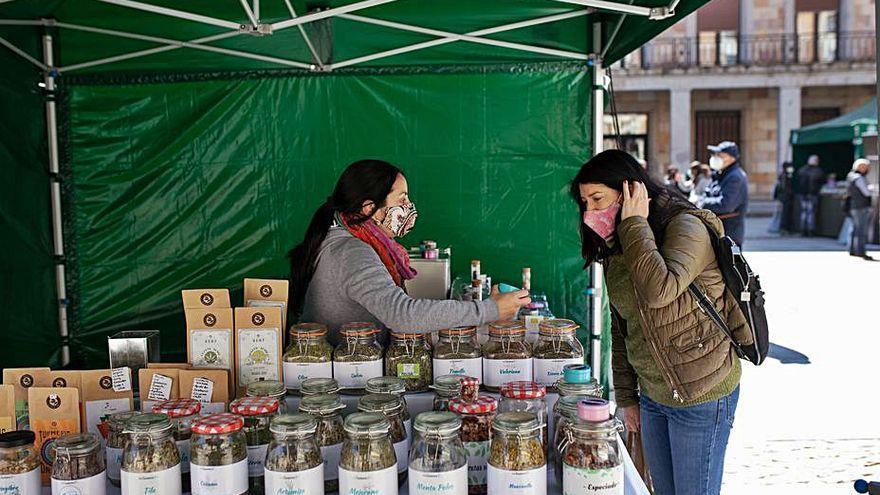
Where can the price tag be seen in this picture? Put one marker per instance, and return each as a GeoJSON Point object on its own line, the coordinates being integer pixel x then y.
{"type": "Point", "coordinates": [203, 389]}
{"type": "Point", "coordinates": [160, 387]}
{"type": "Point", "coordinates": [121, 379]}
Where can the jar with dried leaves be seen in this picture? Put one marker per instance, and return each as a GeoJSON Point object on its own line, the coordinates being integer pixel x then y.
{"type": "Point", "coordinates": [438, 461]}
{"type": "Point", "coordinates": [150, 460]}
{"type": "Point", "coordinates": [257, 413]}
{"type": "Point", "coordinates": [368, 463]}
{"type": "Point", "coordinates": [458, 353]}
{"type": "Point", "coordinates": [330, 433]}
{"type": "Point", "coordinates": [182, 413]}
{"type": "Point", "coordinates": [557, 346]}
{"type": "Point", "coordinates": [19, 463]}
{"type": "Point", "coordinates": [408, 357]}
{"type": "Point", "coordinates": [294, 458]}
{"type": "Point", "coordinates": [79, 465]}
{"type": "Point", "coordinates": [357, 357]}
{"type": "Point", "coordinates": [219, 456]}
{"type": "Point", "coordinates": [308, 355]}
{"type": "Point", "coordinates": [476, 432]}
{"type": "Point", "coordinates": [506, 356]}
{"type": "Point", "coordinates": [116, 437]}
{"type": "Point", "coordinates": [517, 464]}
{"type": "Point", "coordinates": [392, 407]}
{"type": "Point", "coordinates": [590, 452]}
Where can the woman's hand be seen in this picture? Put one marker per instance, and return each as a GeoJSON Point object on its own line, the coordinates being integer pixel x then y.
{"type": "Point", "coordinates": [632, 418]}
{"type": "Point", "coordinates": [635, 200]}
{"type": "Point", "coordinates": [509, 303]}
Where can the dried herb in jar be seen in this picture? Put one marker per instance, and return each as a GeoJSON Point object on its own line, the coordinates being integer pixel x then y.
{"type": "Point", "coordinates": [152, 447]}
{"type": "Point", "coordinates": [293, 447]}
{"type": "Point", "coordinates": [515, 445]}
{"type": "Point", "coordinates": [367, 446]}
{"type": "Point", "coordinates": [219, 450]}
{"type": "Point", "coordinates": [409, 357]}
{"type": "Point", "coordinates": [77, 456]}
{"type": "Point", "coordinates": [17, 453]}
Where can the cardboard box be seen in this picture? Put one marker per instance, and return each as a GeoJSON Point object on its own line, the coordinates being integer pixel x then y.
{"type": "Point", "coordinates": [157, 385]}
{"type": "Point", "coordinates": [264, 292]}
{"type": "Point", "coordinates": [212, 388]}
{"type": "Point", "coordinates": [7, 408]}
{"type": "Point", "coordinates": [205, 298]}
{"type": "Point", "coordinates": [100, 400]}
{"type": "Point", "coordinates": [63, 378]}
{"type": "Point", "coordinates": [176, 366]}
{"type": "Point", "coordinates": [54, 412]}
{"type": "Point", "coordinates": [21, 380]}
{"type": "Point", "coordinates": [210, 340]}
{"type": "Point", "coordinates": [258, 346]}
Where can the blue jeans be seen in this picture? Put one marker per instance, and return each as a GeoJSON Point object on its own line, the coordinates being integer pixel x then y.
{"type": "Point", "coordinates": [684, 446]}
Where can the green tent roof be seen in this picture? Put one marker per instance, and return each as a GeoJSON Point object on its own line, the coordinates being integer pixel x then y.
{"type": "Point", "coordinates": [845, 128]}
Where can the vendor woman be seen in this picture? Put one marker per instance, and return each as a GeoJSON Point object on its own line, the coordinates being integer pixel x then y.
{"type": "Point", "coordinates": [349, 267]}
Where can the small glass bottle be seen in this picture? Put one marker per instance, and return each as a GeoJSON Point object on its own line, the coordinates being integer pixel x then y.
{"type": "Point", "coordinates": [269, 388]}
{"type": "Point", "coordinates": [437, 459]}
{"type": "Point", "coordinates": [219, 456]}
{"type": "Point", "coordinates": [318, 386]}
{"type": "Point", "coordinates": [115, 443]}
{"type": "Point", "coordinates": [557, 346]}
{"type": "Point", "coordinates": [507, 356]}
{"type": "Point", "coordinates": [150, 460]}
{"type": "Point", "coordinates": [357, 358]}
{"type": "Point", "coordinates": [528, 397]}
{"type": "Point", "coordinates": [476, 431]}
{"type": "Point", "coordinates": [182, 413]}
{"type": "Point", "coordinates": [368, 463]}
{"type": "Point", "coordinates": [257, 413]}
{"type": "Point", "coordinates": [79, 465]}
{"type": "Point", "coordinates": [293, 462]}
{"type": "Point", "coordinates": [308, 355]}
{"type": "Point", "coordinates": [517, 465]}
{"type": "Point", "coordinates": [392, 407]}
{"type": "Point", "coordinates": [330, 433]}
{"type": "Point", "coordinates": [408, 357]}
{"type": "Point", "coordinates": [394, 386]}
{"type": "Point", "coordinates": [19, 463]}
{"type": "Point", "coordinates": [590, 454]}
{"type": "Point", "coordinates": [458, 353]}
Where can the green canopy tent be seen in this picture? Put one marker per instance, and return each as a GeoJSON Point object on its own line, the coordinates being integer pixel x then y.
{"type": "Point", "coordinates": [837, 141]}
{"type": "Point", "coordinates": [149, 146]}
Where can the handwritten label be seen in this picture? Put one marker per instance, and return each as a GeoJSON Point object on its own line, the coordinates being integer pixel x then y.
{"type": "Point", "coordinates": [23, 484]}
{"type": "Point", "coordinates": [549, 371]}
{"type": "Point", "coordinates": [121, 379]}
{"type": "Point", "coordinates": [202, 390]}
{"type": "Point", "coordinates": [160, 387]}
{"type": "Point", "coordinates": [156, 483]}
{"type": "Point", "coordinates": [94, 485]}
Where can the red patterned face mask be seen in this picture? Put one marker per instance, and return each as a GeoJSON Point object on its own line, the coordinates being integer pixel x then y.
{"type": "Point", "coordinates": [602, 221]}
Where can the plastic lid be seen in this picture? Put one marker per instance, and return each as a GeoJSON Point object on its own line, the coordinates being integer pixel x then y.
{"type": "Point", "coordinates": [523, 390]}
{"type": "Point", "coordinates": [437, 423]}
{"type": "Point", "coordinates": [254, 406]}
{"type": "Point", "coordinates": [293, 424]}
{"type": "Point", "coordinates": [321, 404]}
{"type": "Point", "coordinates": [577, 373]}
{"type": "Point", "coordinates": [383, 403]}
{"type": "Point", "coordinates": [313, 386]}
{"type": "Point", "coordinates": [216, 424]}
{"type": "Point", "coordinates": [483, 404]}
{"type": "Point", "coordinates": [467, 331]}
{"type": "Point", "coordinates": [386, 385]}
{"type": "Point", "coordinates": [358, 329]}
{"type": "Point", "coordinates": [148, 423]}
{"type": "Point", "coordinates": [517, 422]}
{"type": "Point", "coordinates": [17, 438]}
{"type": "Point", "coordinates": [266, 388]}
{"type": "Point", "coordinates": [508, 327]}
{"type": "Point", "coordinates": [308, 330]}
{"type": "Point", "coordinates": [557, 326]}
{"type": "Point", "coordinates": [364, 423]}
{"type": "Point", "coordinates": [77, 444]}
{"type": "Point", "coordinates": [594, 409]}
{"type": "Point", "coordinates": [178, 408]}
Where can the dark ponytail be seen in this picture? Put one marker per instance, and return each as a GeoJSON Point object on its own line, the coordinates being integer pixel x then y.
{"type": "Point", "coordinates": [363, 181]}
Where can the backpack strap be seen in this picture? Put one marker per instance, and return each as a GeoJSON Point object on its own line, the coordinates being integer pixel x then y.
{"type": "Point", "coordinates": [708, 308]}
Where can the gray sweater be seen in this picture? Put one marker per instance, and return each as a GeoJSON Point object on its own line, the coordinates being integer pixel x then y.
{"type": "Point", "coordinates": [352, 284]}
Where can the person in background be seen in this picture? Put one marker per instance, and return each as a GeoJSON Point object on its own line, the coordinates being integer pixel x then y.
{"type": "Point", "coordinates": [784, 194]}
{"type": "Point", "coordinates": [674, 178]}
{"type": "Point", "coordinates": [701, 177]}
{"type": "Point", "coordinates": [859, 207]}
{"type": "Point", "coordinates": [810, 180]}
{"type": "Point", "coordinates": [728, 194]}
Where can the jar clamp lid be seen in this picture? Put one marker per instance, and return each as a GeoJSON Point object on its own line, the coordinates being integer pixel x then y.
{"type": "Point", "coordinates": [386, 385]}
{"type": "Point", "coordinates": [443, 424]}
{"type": "Point", "coordinates": [364, 423]}
{"type": "Point", "coordinates": [319, 385]}
{"type": "Point", "coordinates": [77, 444]}
{"type": "Point", "coordinates": [321, 404]}
{"type": "Point", "coordinates": [358, 329]}
{"type": "Point", "coordinates": [508, 327]}
{"type": "Point", "coordinates": [458, 331]}
{"type": "Point", "coordinates": [297, 424]}
{"type": "Point", "coordinates": [557, 326]}
{"type": "Point", "coordinates": [516, 422]}
{"type": "Point", "coordinates": [266, 388]}
{"type": "Point", "coordinates": [384, 403]}
{"type": "Point", "coordinates": [148, 424]}
{"type": "Point", "coordinates": [217, 424]}
{"type": "Point", "coordinates": [308, 330]}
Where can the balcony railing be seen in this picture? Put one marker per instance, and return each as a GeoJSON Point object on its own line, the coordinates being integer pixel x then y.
{"type": "Point", "coordinates": [726, 50]}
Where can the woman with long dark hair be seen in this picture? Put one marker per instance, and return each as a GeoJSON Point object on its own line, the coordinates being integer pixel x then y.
{"type": "Point", "coordinates": [349, 267]}
{"type": "Point", "coordinates": [676, 376]}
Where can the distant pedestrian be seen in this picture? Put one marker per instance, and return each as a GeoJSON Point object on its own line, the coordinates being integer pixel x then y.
{"type": "Point", "coordinates": [728, 194]}
{"type": "Point", "coordinates": [784, 194]}
{"type": "Point", "coordinates": [859, 207]}
{"type": "Point", "coordinates": [810, 180]}
{"type": "Point", "coordinates": [701, 177]}
{"type": "Point", "coordinates": [675, 179]}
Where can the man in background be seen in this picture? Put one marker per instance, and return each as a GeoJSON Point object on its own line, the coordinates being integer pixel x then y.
{"type": "Point", "coordinates": [728, 193]}
{"type": "Point", "coordinates": [810, 180]}
{"type": "Point", "coordinates": [859, 207]}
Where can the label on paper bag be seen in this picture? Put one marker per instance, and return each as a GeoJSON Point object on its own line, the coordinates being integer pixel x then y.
{"type": "Point", "coordinates": [296, 373]}
{"type": "Point", "coordinates": [497, 372]}
{"type": "Point", "coordinates": [355, 374]}
{"type": "Point", "coordinates": [98, 410]}
{"type": "Point", "coordinates": [203, 390]}
{"type": "Point", "coordinates": [528, 482]}
{"type": "Point", "coordinates": [121, 379]}
{"type": "Point", "coordinates": [256, 459]}
{"type": "Point", "coordinates": [157, 483]}
{"type": "Point", "coordinates": [93, 485]}
{"type": "Point", "coordinates": [160, 388]}
{"type": "Point", "coordinates": [467, 367]}
{"type": "Point", "coordinates": [592, 481]}
{"type": "Point", "coordinates": [401, 450]}
{"type": "Point", "coordinates": [331, 455]}
{"type": "Point", "coordinates": [258, 355]}
{"type": "Point", "coordinates": [477, 453]}
{"type": "Point", "coordinates": [23, 484]}
{"type": "Point", "coordinates": [183, 446]}
{"type": "Point", "coordinates": [7, 423]}
{"type": "Point", "coordinates": [211, 348]}
{"type": "Point", "coordinates": [448, 483]}
{"type": "Point", "coordinates": [308, 482]}
{"type": "Point", "coordinates": [549, 371]}
{"type": "Point", "coordinates": [220, 480]}
{"type": "Point", "coordinates": [382, 482]}
{"type": "Point", "coordinates": [114, 463]}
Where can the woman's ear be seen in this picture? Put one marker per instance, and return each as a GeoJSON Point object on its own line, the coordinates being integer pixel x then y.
{"type": "Point", "coordinates": [368, 208]}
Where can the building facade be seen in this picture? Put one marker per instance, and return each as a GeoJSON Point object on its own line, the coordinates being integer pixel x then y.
{"type": "Point", "coordinates": [748, 71]}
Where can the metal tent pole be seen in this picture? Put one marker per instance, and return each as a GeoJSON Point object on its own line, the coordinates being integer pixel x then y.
{"type": "Point", "coordinates": [596, 275]}
{"type": "Point", "coordinates": [55, 197]}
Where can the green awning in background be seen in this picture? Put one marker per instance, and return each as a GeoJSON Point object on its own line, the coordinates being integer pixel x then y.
{"type": "Point", "coordinates": [845, 128]}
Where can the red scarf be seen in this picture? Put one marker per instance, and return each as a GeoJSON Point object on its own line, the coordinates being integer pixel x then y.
{"type": "Point", "coordinates": [393, 255]}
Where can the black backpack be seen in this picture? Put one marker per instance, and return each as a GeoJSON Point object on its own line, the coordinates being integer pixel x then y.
{"type": "Point", "coordinates": [745, 286]}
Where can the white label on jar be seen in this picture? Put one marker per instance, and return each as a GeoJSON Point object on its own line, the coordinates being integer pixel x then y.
{"type": "Point", "coordinates": [576, 481]}
{"type": "Point", "coordinates": [114, 463]}
{"type": "Point", "coordinates": [97, 411]}
{"type": "Point", "coordinates": [477, 452]}
{"type": "Point", "coordinates": [549, 371]}
{"type": "Point", "coordinates": [220, 480]}
{"type": "Point", "coordinates": [93, 485]}
{"type": "Point", "coordinates": [258, 354]}
{"type": "Point", "coordinates": [355, 374]}
{"type": "Point", "coordinates": [211, 348]}
{"type": "Point", "coordinates": [256, 459]}
{"type": "Point", "coordinates": [528, 482]}
{"type": "Point", "coordinates": [308, 482]}
{"type": "Point", "coordinates": [296, 373]}
{"type": "Point", "coordinates": [467, 367]}
{"type": "Point", "coordinates": [448, 483]}
{"type": "Point", "coordinates": [401, 450]}
{"type": "Point", "coordinates": [382, 482]}
{"type": "Point", "coordinates": [497, 372]}
{"type": "Point", "coordinates": [21, 484]}
{"type": "Point", "coordinates": [158, 483]}
{"type": "Point", "coordinates": [183, 448]}
{"type": "Point", "coordinates": [331, 455]}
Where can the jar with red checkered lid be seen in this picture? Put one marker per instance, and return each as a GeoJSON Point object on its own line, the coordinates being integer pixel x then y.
{"type": "Point", "coordinates": [475, 433]}
{"type": "Point", "coordinates": [218, 455]}
{"type": "Point", "coordinates": [257, 413]}
{"type": "Point", "coordinates": [529, 397]}
{"type": "Point", "coordinates": [182, 413]}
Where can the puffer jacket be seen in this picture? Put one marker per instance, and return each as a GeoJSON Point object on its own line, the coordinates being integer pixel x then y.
{"type": "Point", "coordinates": [693, 355]}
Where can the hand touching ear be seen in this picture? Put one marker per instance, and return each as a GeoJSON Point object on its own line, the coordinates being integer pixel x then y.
{"type": "Point", "coordinates": [635, 200]}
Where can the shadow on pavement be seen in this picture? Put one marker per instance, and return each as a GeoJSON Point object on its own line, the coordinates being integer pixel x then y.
{"type": "Point", "coordinates": [787, 356]}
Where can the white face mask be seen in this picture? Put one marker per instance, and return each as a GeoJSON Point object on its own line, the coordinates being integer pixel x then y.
{"type": "Point", "coordinates": [716, 162]}
{"type": "Point", "coordinates": [400, 219]}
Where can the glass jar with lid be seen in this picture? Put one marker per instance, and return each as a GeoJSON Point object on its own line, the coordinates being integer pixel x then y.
{"type": "Point", "coordinates": [392, 407]}
{"type": "Point", "coordinates": [590, 453]}
{"type": "Point", "coordinates": [438, 461]}
{"type": "Point", "coordinates": [564, 412]}
{"type": "Point", "coordinates": [368, 463]}
{"type": "Point", "coordinates": [330, 433]}
{"type": "Point", "coordinates": [529, 397]}
{"type": "Point", "coordinates": [557, 346]}
{"type": "Point", "coordinates": [293, 462]}
{"type": "Point", "coordinates": [448, 387]}
{"type": "Point", "coordinates": [182, 413]}
{"type": "Point", "coordinates": [19, 463]}
{"type": "Point", "coordinates": [318, 386]}
{"type": "Point", "coordinates": [79, 465]}
{"type": "Point", "coordinates": [357, 358]}
{"type": "Point", "coordinates": [507, 356]}
{"type": "Point", "coordinates": [517, 464]}
{"type": "Point", "coordinates": [308, 355]}
{"type": "Point", "coordinates": [115, 442]}
{"type": "Point", "coordinates": [219, 456]}
{"type": "Point", "coordinates": [150, 460]}
{"type": "Point", "coordinates": [408, 357]}
{"type": "Point", "coordinates": [269, 388]}
{"type": "Point", "coordinates": [458, 353]}
{"type": "Point", "coordinates": [394, 386]}
{"type": "Point", "coordinates": [257, 413]}
{"type": "Point", "coordinates": [476, 431]}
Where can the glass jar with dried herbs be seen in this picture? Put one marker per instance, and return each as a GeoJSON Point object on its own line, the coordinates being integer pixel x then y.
{"type": "Point", "coordinates": [318, 386]}
{"type": "Point", "coordinates": [219, 456]}
{"type": "Point", "coordinates": [150, 460]}
{"type": "Point", "coordinates": [269, 388]}
{"type": "Point", "coordinates": [182, 413]}
{"type": "Point", "coordinates": [438, 460]}
{"type": "Point", "coordinates": [446, 387]}
{"type": "Point", "coordinates": [257, 413]}
{"type": "Point", "coordinates": [79, 465]}
{"type": "Point", "coordinates": [517, 465]}
{"type": "Point", "coordinates": [327, 411]}
{"type": "Point", "coordinates": [590, 453]}
{"type": "Point", "coordinates": [115, 443]}
{"type": "Point", "coordinates": [368, 463]}
{"type": "Point", "coordinates": [557, 346]}
{"type": "Point", "coordinates": [394, 386]}
{"type": "Point", "coordinates": [506, 356]}
{"type": "Point", "coordinates": [357, 358]}
{"type": "Point", "coordinates": [476, 432]}
{"type": "Point", "coordinates": [308, 355]}
{"type": "Point", "coordinates": [293, 462]}
{"type": "Point", "coordinates": [458, 353]}
{"type": "Point", "coordinates": [19, 463]}
{"type": "Point", "coordinates": [529, 397]}
{"type": "Point", "coordinates": [408, 357]}
{"type": "Point", "coordinates": [392, 407]}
